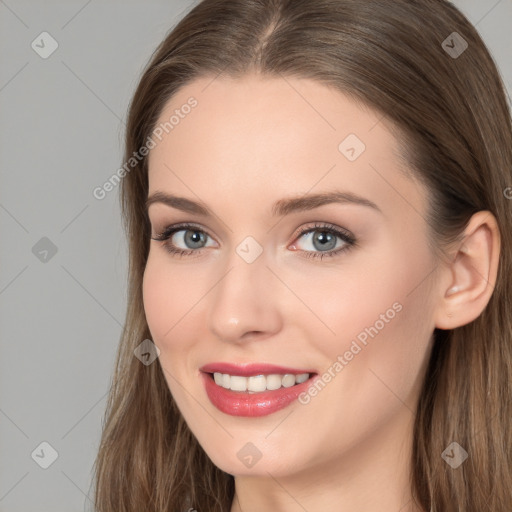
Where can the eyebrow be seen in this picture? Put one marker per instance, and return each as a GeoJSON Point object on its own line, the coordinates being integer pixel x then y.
{"type": "Point", "coordinates": [279, 208]}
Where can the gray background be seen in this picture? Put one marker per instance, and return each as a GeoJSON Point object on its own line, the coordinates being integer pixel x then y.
{"type": "Point", "coordinates": [61, 128]}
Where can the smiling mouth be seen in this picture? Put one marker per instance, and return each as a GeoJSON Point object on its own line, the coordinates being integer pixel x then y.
{"type": "Point", "coordinates": [261, 391]}
{"type": "Point", "coordinates": [258, 383]}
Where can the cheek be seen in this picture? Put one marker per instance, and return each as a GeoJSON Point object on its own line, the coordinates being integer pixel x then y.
{"type": "Point", "coordinates": [352, 297]}
{"type": "Point", "coordinates": [175, 297]}
{"type": "Point", "coordinates": [169, 297]}
{"type": "Point", "coordinates": [385, 330]}
{"type": "Point", "coordinates": [158, 300]}
{"type": "Point", "coordinates": [169, 294]}
{"type": "Point", "coordinates": [378, 311]}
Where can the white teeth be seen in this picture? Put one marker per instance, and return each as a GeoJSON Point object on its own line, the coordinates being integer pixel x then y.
{"type": "Point", "coordinates": [274, 382]}
{"type": "Point", "coordinates": [238, 383]}
{"type": "Point", "coordinates": [258, 383]}
{"type": "Point", "coordinates": [303, 377]}
{"type": "Point", "coordinates": [288, 381]}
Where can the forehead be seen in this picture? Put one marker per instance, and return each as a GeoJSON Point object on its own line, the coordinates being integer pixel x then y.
{"type": "Point", "coordinates": [259, 135]}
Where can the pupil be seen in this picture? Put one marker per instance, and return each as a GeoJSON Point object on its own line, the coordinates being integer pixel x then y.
{"type": "Point", "coordinates": [324, 239]}
{"type": "Point", "coordinates": [194, 238]}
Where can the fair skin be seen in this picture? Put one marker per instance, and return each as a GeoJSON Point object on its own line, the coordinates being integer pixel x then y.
{"type": "Point", "coordinates": [249, 143]}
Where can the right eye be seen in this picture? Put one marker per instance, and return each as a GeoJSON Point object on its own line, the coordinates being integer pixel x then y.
{"type": "Point", "coordinates": [191, 238]}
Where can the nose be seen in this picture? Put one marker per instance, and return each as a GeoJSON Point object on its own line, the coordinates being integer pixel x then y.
{"type": "Point", "coordinates": [245, 303]}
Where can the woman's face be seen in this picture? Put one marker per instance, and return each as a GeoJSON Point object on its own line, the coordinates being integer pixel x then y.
{"type": "Point", "coordinates": [340, 287]}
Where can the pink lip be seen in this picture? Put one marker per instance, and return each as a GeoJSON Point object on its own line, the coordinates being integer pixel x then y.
{"type": "Point", "coordinates": [246, 370]}
{"type": "Point", "coordinates": [243, 403]}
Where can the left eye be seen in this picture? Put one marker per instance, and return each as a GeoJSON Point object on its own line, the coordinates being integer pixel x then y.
{"type": "Point", "coordinates": [324, 240]}
{"type": "Point", "coordinates": [316, 240]}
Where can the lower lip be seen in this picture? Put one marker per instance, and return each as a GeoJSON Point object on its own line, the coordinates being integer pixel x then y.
{"type": "Point", "coordinates": [243, 403]}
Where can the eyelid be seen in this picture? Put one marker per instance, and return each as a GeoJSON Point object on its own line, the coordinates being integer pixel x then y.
{"type": "Point", "coordinates": [180, 226]}
{"type": "Point", "coordinates": [328, 227]}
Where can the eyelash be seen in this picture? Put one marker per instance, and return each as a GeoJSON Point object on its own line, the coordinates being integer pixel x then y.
{"type": "Point", "coordinates": [350, 241]}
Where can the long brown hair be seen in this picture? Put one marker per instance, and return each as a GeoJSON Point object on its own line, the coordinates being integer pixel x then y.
{"type": "Point", "coordinates": [456, 137]}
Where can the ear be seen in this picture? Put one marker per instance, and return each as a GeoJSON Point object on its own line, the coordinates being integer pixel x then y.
{"type": "Point", "coordinates": [469, 279]}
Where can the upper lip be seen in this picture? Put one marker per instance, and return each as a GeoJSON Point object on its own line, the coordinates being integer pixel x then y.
{"type": "Point", "coordinates": [248, 369]}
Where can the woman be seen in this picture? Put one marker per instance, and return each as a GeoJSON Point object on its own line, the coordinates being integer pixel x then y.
{"type": "Point", "coordinates": [319, 216]}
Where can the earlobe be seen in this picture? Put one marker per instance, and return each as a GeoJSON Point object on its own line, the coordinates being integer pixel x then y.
{"type": "Point", "coordinates": [471, 276]}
